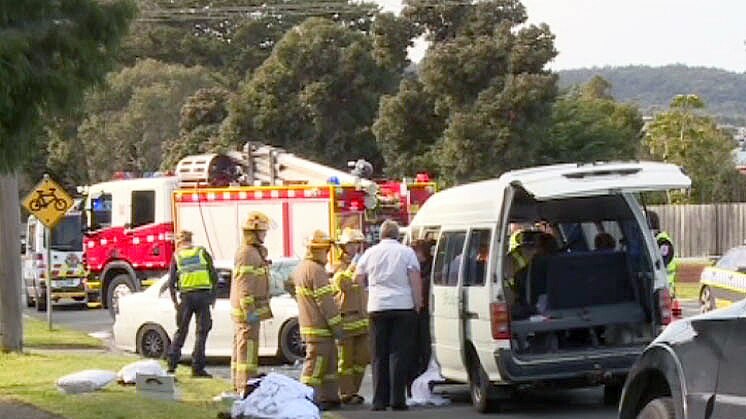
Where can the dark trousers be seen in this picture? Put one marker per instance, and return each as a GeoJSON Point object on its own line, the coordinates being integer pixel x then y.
{"type": "Point", "coordinates": [391, 347]}
{"type": "Point", "coordinates": [192, 303]}
{"type": "Point", "coordinates": [422, 348]}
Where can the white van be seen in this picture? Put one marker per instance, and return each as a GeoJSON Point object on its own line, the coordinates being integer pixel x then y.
{"type": "Point", "coordinates": [576, 315]}
{"type": "Point", "coordinates": [68, 272]}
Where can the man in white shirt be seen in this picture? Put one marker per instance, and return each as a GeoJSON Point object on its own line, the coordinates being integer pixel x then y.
{"type": "Point", "coordinates": [392, 273]}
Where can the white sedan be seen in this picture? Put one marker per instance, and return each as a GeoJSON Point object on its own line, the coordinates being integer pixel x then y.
{"type": "Point", "coordinates": [146, 320]}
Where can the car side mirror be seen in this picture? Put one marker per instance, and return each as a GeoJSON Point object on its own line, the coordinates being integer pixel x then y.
{"type": "Point", "coordinates": [741, 270]}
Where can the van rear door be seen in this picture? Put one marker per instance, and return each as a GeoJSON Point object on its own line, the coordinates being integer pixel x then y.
{"type": "Point", "coordinates": [567, 181]}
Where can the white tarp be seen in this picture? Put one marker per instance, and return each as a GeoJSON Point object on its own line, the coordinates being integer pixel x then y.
{"type": "Point", "coordinates": [278, 396]}
{"type": "Point", "coordinates": [421, 394]}
{"type": "Point", "coordinates": [128, 374]}
{"type": "Point", "coordinates": [85, 381]}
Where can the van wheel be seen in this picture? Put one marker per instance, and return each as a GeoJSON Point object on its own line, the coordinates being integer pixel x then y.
{"type": "Point", "coordinates": [480, 388]}
{"type": "Point", "coordinates": [40, 302]}
{"type": "Point", "coordinates": [118, 287]}
{"type": "Point", "coordinates": [661, 408]}
{"type": "Point", "coordinates": [706, 300]}
{"type": "Point", "coordinates": [29, 301]}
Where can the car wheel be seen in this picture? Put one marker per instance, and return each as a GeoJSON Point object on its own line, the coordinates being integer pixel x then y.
{"type": "Point", "coordinates": [292, 347]}
{"type": "Point", "coordinates": [480, 388]}
{"type": "Point", "coordinates": [118, 287]}
{"type": "Point", "coordinates": [612, 394]}
{"type": "Point", "coordinates": [40, 302]}
{"type": "Point", "coordinates": [706, 300]}
{"type": "Point", "coordinates": [661, 408]}
{"type": "Point", "coordinates": [152, 342]}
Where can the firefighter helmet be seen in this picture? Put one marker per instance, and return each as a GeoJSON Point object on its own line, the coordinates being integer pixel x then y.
{"type": "Point", "coordinates": [350, 235]}
{"type": "Point", "coordinates": [318, 240]}
{"type": "Point", "coordinates": [256, 221]}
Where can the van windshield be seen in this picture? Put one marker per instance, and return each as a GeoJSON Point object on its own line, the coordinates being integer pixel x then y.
{"type": "Point", "coordinates": [66, 236]}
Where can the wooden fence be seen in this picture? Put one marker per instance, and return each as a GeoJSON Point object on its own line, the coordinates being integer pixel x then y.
{"type": "Point", "coordinates": [703, 230]}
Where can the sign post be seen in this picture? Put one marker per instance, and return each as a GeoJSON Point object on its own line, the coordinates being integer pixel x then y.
{"type": "Point", "coordinates": [48, 202]}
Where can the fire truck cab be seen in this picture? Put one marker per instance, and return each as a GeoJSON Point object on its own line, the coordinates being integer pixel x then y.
{"type": "Point", "coordinates": [129, 237]}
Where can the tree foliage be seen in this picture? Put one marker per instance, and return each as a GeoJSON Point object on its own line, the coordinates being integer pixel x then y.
{"type": "Point", "coordinates": [589, 125]}
{"type": "Point", "coordinates": [483, 94]}
{"type": "Point", "coordinates": [684, 135]}
{"type": "Point", "coordinates": [651, 88]}
{"type": "Point", "coordinates": [199, 126]}
{"type": "Point", "coordinates": [318, 93]}
{"type": "Point", "coordinates": [232, 37]}
{"type": "Point", "coordinates": [138, 110]}
{"type": "Point", "coordinates": [50, 52]}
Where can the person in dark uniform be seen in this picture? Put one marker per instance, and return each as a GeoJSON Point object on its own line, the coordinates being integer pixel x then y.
{"type": "Point", "coordinates": [193, 275]}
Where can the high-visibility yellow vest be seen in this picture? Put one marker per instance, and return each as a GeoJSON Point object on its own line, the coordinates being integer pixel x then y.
{"type": "Point", "coordinates": [191, 266]}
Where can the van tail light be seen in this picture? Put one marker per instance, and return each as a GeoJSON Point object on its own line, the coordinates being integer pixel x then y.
{"type": "Point", "coordinates": [676, 309]}
{"type": "Point", "coordinates": [500, 320]}
{"type": "Point", "coordinates": [665, 303]}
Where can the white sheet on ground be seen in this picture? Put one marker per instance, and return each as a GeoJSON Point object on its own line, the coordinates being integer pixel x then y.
{"type": "Point", "coordinates": [421, 394]}
{"type": "Point", "coordinates": [128, 374]}
{"type": "Point", "coordinates": [85, 381]}
{"type": "Point", "coordinates": [278, 396]}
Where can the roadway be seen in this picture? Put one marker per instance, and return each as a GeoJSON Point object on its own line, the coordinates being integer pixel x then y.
{"type": "Point", "coordinates": [536, 404]}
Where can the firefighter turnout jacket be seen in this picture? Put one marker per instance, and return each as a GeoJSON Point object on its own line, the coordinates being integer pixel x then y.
{"type": "Point", "coordinates": [350, 297]}
{"type": "Point", "coordinates": [318, 315]}
{"type": "Point", "coordinates": [250, 285]}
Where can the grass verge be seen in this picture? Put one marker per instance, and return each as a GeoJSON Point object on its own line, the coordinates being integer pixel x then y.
{"type": "Point", "coordinates": [687, 290]}
{"type": "Point", "coordinates": [36, 386]}
{"type": "Point", "coordinates": [36, 335]}
{"type": "Point", "coordinates": [31, 378]}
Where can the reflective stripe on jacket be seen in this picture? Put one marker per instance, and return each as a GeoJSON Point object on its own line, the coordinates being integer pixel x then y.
{"type": "Point", "coordinates": [250, 284]}
{"type": "Point", "coordinates": [318, 314]}
{"type": "Point", "coordinates": [192, 268]}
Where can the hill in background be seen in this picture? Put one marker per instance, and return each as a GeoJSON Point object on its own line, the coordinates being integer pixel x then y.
{"type": "Point", "coordinates": [652, 88]}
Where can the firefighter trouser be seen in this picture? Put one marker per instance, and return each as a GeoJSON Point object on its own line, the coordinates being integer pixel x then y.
{"type": "Point", "coordinates": [245, 359]}
{"type": "Point", "coordinates": [354, 356]}
{"type": "Point", "coordinates": [192, 303]}
{"type": "Point", "coordinates": [319, 370]}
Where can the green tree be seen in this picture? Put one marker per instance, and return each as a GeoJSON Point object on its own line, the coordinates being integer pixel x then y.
{"type": "Point", "coordinates": [232, 37]}
{"type": "Point", "coordinates": [50, 51]}
{"type": "Point", "coordinates": [484, 93]}
{"type": "Point", "coordinates": [134, 114]}
{"type": "Point", "coordinates": [318, 93]}
{"type": "Point", "coordinates": [588, 125]}
{"type": "Point", "coordinates": [686, 136]}
{"type": "Point", "coordinates": [199, 126]}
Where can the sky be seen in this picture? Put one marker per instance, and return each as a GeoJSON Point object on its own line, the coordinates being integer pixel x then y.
{"type": "Point", "coordinates": [627, 32]}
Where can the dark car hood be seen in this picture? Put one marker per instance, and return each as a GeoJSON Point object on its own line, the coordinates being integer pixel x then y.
{"type": "Point", "coordinates": [684, 330]}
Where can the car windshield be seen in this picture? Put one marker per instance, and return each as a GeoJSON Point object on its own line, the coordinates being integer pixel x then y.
{"type": "Point", "coordinates": [66, 236]}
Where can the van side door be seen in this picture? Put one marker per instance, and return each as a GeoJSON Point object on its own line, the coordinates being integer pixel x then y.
{"type": "Point", "coordinates": [447, 304]}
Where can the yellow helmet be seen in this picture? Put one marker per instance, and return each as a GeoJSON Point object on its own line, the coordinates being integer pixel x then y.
{"type": "Point", "coordinates": [318, 240]}
{"type": "Point", "coordinates": [351, 235]}
{"type": "Point", "coordinates": [184, 236]}
{"type": "Point", "coordinates": [256, 221]}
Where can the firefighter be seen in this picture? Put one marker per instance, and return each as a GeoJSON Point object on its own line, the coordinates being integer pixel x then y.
{"type": "Point", "coordinates": [320, 321]}
{"type": "Point", "coordinates": [192, 273]}
{"type": "Point", "coordinates": [353, 349]}
{"type": "Point", "coordinates": [249, 299]}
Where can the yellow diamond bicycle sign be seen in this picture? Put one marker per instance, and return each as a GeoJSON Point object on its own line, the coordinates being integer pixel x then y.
{"type": "Point", "coordinates": [48, 202]}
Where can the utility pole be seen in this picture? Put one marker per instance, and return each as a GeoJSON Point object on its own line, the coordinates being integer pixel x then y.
{"type": "Point", "coordinates": [11, 326]}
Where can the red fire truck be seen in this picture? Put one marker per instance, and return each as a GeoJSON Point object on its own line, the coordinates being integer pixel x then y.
{"type": "Point", "coordinates": [131, 222]}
